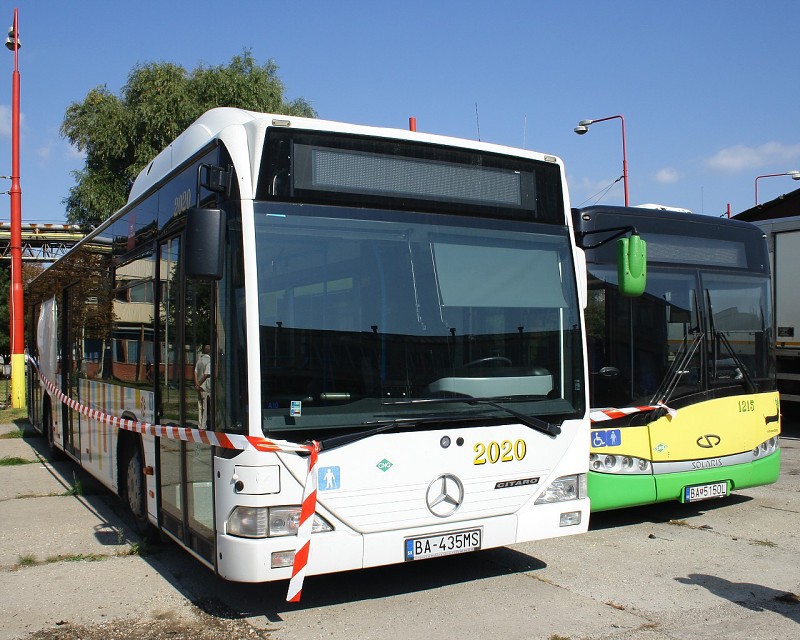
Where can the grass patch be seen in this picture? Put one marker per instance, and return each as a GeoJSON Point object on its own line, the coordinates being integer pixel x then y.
{"type": "Point", "coordinates": [558, 636]}
{"type": "Point", "coordinates": [13, 461]}
{"type": "Point", "coordinates": [77, 557]}
{"type": "Point", "coordinates": [683, 523]}
{"type": "Point", "coordinates": [75, 489]}
{"type": "Point", "coordinates": [10, 416]}
{"type": "Point", "coordinates": [12, 435]}
{"type": "Point", "coordinates": [678, 523]}
{"type": "Point", "coordinates": [764, 543]}
{"type": "Point", "coordinates": [29, 560]}
{"type": "Point", "coordinates": [26, 560]}
{"type": "Point", "coordinates": [141, 548]}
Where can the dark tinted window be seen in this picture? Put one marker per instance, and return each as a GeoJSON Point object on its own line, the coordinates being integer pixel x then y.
{"type": "Point", "coordinates": [326, 168]}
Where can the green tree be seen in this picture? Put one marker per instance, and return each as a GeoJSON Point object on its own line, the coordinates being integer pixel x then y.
{"type": "Point", "coordinates": [121, 134]}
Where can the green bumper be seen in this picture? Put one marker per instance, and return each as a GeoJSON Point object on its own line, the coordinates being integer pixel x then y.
{"type": "Point", "coordinates": [610, 491]}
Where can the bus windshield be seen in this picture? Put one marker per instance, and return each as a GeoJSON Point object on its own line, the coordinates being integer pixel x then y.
{"type": "Point", "coordinates": [692, 332]}
{"type": "Point", "coordinates": [360, 314]}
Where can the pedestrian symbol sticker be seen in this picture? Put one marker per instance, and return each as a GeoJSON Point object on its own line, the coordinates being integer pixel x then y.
{"type": "Point", "coordinates": [328, 478]}
{"type": "Point", "coordinates": [607, 438]}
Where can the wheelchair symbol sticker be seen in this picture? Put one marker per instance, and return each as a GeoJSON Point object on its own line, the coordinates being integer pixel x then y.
{"type": "Point", "coordinates": [608, 438]}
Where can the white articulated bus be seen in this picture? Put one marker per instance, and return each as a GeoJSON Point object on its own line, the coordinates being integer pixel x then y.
{"type": "Point", "coordinates": [408, 302]}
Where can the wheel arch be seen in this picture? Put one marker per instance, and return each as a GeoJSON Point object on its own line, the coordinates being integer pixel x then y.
{"type": "Point", "coordinates": [127, 443]}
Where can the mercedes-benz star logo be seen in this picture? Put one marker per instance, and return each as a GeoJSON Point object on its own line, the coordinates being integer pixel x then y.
{"type": "Point", "coordinates": [445, 495]}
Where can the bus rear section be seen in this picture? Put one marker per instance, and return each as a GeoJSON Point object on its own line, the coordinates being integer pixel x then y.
{"type": "Point", "coordinates": [682, 380]}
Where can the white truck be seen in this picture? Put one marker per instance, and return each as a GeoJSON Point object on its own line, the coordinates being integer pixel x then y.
{"type": "Point", "coordinates": [780, 221]}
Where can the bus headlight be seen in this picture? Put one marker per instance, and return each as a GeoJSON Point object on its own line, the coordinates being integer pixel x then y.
{"type": "Point", "coordinates": [248, 522]}
{"type": "Point", "coordinates": [284, 521]}
{"type": "Point", "coordinates": [767, 447]}
{"type": "Point", "coordinates": [608, 463]}
{"type": "Point", "coordinates": [265, 522]}
{"type": "Point", "coordinates": [563, 489]}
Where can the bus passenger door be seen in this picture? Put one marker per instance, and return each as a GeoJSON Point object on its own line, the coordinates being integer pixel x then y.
{"type": "Point", "coordinates": [185, 473]}
{"type": "Point", "coordinates": [70, 365]}
{"type": "Point", "coordinates": [198, 401]}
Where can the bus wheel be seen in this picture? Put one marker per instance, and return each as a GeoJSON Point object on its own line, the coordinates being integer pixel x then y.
{"type": "Point", "coordinates": [134, 489]}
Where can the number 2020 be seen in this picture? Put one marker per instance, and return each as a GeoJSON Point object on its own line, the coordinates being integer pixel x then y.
{"type": "Point", "coordinates": [505, 451]}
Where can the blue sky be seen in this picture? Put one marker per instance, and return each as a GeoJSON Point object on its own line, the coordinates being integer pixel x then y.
{"type": "Point", "coordinates": [709, 89]}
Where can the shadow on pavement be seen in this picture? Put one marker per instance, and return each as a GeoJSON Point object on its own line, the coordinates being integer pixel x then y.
{"type": "Point", "coordinates": [227, 600]}
{"type": "Point", "coordinates": [235, 600]}
{"type": "Point", "coordinates": [223, 599]}
{"type": "Point", "coordinates": [112, 529]}
{"type": "Point", "coordinates": [754, 597]}
{"type": "Point", "coordinates": [662, 512]}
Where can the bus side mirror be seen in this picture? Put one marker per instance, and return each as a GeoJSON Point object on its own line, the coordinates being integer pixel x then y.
{"type": "Point", "coordinates": [632, 265]}
{"type": "Point", "coordinates": [204, 243]}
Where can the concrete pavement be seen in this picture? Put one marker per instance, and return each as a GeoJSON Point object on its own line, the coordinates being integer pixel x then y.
{"type": "Point", "coordinates": [719, 569]}
{"type": "Point", "coordinates": [66, 558]}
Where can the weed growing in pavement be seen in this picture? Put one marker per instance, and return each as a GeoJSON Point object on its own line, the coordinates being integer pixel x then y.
{"type": "Point", "coordinates": [141, 548]}
{"type": "Point", "coordinates": [12, 461]}
{"type": "Point", "coordinates": [76, 488]}
{"type": "Point", "coordinates": [678, 523]}
{"type": "Point", "coordinates": [29, 560]}
{"type": "Point", "coordinates": [26, 560]}
{"type": "Point", "coordinates": [81, 488]}
{"type": "Point", "coordinates": [558, 636]}
{"type": "Point", "coordinates": [764, 543]}
{"type": "Point", "coordinates": [80, 557]}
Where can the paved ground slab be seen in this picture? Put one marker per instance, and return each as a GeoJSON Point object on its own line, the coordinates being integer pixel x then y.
{"type": "Point", "coordinates": [719, 569]}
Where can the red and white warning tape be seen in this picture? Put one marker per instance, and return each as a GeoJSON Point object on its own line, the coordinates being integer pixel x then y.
{"type": "Point", "coordinates": [304, 529]}
{"type": "Point", "coordinates": [600, 415]}
{"type": "Point", "coordinates": [226, 441]}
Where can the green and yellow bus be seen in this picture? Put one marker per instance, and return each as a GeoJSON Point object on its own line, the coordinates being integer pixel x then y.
{"type": "Point", "coordinates": [682, 378]}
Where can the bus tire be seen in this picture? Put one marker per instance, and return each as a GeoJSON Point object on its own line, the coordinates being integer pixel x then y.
{"type": "Point", "coordinates": [133, 487]}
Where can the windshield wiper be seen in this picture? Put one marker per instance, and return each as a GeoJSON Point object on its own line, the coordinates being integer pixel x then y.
{"type": "Point", "coordinates": [533, 422]}
{"type": "Point", "coordinates": [747, 381]}
{"type": "Point", "coordinates": [380, 426]}
{"type": "Point", "coordinates": [376, 427]}
{"type": "Point", "coordinates": [678, 368]}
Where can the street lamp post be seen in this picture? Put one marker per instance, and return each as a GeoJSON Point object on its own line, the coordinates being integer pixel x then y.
{"type": "Point", "coordinates": [17, 333]}
{"type": "Point", "coordinates": [795, 176]}
{"type": "Point", "coordinates": [583, 127]}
